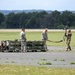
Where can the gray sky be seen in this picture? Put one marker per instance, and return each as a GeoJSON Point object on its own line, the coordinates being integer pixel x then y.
{"type": "Point", "coordinates": [59, 5]}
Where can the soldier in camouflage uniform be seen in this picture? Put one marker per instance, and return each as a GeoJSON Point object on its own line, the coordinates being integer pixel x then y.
{"type": "Point", "coordinates": [45, 37]}
{"type": "Point", "coordinates": [23, 40]}
{"type": "Point", "coordinates": [68, 35]}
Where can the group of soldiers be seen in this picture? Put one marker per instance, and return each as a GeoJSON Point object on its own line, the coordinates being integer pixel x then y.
{"type": "Point", "coordinates": [4, 45]}
{"type": "Point", "coordinates": [23, 39]}
{"type": "Point", "coordinates": [68, 35]}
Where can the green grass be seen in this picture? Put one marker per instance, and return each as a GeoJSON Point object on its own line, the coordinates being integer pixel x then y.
{"type": "Point", "coordinates": [30, 70]}
{"type": "Point", "coordinates": [13, 61]}
{"type": "Point", "coordinates": [55, 59]}
{"type": "Point", "coordinates": [43, 59]}
{"type": "Point", "coordinates": [54, 36]}
{"type": "Point", "coordinates": [62, 60]}
{"type": "Point", "coordinates": [44, 63]}
{"type": "Point", "coordinates": [72, 63]}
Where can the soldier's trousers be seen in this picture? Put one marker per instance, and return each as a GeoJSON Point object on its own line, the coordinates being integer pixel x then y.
{"type": "Point", "coordinates": [68, 44]}
{"type": "Point", "coordinates": [23, 46]}
{"type": "Point", "coordinates": [45, 45]}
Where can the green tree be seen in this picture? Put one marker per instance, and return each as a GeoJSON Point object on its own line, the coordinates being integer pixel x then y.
{"type": "Point", "coordinates": [2, 18]}
{"type": "Point", "coordinates": [51, 20]}
{"type": "Point", "coordinates": [55, 18]}
{"type": "Point", "coordinates": [10, 20]}
{"type": "Point", "coordinates": [22, 20]}
{"type": "Point", "coordinates": [39, 18]}
{"type": "Point", "coordinates": [67, 18]}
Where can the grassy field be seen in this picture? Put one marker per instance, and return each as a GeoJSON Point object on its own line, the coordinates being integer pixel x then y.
{"type": "Point", "coordinates": [30, 70]}
{"type": "Point", "coordinates": [54, 36]}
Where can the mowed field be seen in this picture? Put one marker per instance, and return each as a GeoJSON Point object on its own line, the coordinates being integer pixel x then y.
{"type": "Point", "coordinates": [35, 34]}
{"type": "Point", "coordinates": [30, 70]}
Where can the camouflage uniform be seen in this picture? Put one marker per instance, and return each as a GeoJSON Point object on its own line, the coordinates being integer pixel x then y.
{"type": "Point", "coordinates": [68, 39]}
{"type": "Point", "coordinates": [23, 41]}
{"type": "Point", "coordinates": [45, 37]}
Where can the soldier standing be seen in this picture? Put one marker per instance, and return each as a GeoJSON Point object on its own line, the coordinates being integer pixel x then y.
{"type": "Point", "coordinates": [68, 35]}
{"type": "Point", "coordinates": [23, 40]}
{"type": "Point", "coordinates": [45, 37]}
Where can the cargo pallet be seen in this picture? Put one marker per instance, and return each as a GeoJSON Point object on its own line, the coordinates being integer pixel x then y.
{"type": "Point", "coordinates": [15, 46]}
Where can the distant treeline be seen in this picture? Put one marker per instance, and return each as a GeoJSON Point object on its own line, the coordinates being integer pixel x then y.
{"type": "Point", "coordinates": [38, 20]}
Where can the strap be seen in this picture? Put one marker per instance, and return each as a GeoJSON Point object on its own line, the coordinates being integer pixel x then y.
{"type": "Point", "coordinates": [55, 41]}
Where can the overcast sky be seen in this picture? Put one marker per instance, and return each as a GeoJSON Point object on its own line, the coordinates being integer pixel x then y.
{"type": "Point", "coordinates": [59, 5]}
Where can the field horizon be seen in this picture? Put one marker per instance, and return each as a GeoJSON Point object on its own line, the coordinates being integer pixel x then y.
{"type": "Point", "coordinates": [33, 30]}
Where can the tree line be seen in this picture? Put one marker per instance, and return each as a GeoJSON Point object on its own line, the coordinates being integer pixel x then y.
{"type": "Point", "coordinates": [38, 20]}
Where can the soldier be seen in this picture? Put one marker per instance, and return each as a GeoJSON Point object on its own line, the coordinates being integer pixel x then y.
{"type": "Point", "coordinates": [45, 36]}
{"type": "Point", "coordinates": [68, 35]}
{"type": "Point", "coordinates": [23, 40]}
